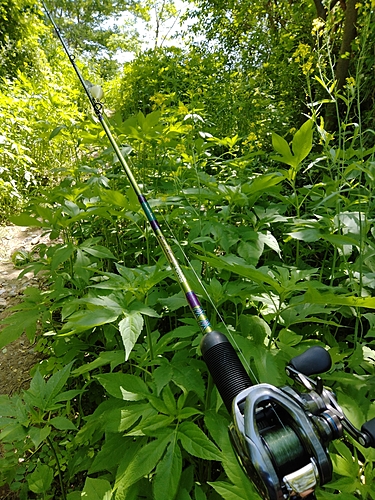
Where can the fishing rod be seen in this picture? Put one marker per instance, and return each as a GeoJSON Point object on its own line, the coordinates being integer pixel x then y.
{"type": "Point", "coordinates": [280, 434]}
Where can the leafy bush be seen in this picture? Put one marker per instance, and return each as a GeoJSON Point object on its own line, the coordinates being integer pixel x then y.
{"type": "Point", "coordinates": [233, 100]}
{"type": "Point", "coordinates": [128, 409]}
{"type": "Point", "coordinates": [30, 110]}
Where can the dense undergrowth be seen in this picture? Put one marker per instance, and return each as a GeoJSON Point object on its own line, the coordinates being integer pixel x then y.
{"type": "Point", "coordinates": [278, 245]}
{"type": "Point", "coordinates": [283, 246]}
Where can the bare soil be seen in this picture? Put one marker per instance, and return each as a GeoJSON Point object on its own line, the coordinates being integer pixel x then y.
{"type": "Point", "coordinates": [17, 358]}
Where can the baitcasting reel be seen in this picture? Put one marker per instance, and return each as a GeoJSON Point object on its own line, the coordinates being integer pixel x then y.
{"type": "Point", "coordinates": [280, 435]}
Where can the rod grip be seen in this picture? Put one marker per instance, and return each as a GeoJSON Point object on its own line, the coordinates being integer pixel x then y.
{"type": "Point", "coordinates": [225, 367]}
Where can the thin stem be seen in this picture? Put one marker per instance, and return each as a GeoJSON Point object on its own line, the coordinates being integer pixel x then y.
{"type": "Point", "coordinates": [274, 326]}
{"type": "Point", "coordinates": [50, 444]}
{"type": "Point", "coordinates": [333, 266]}
{"type": "Point", "coordinates": [149, 338]}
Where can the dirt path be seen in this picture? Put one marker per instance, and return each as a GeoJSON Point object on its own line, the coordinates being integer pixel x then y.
{"type": "Point", "coordinates": [17, 358]}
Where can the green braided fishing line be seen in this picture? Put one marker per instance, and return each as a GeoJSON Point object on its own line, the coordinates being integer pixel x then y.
{"type": "Point", "coordinates": [285, 449]}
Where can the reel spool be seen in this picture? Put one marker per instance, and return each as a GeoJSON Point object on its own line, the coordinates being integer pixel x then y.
{"type": "Point", "coordinates": [281, 435]}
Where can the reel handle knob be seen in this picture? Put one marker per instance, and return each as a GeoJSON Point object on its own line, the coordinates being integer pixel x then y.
{"type": "Point", "coordinates": [225, 367]}
{"type": "Point", "coordinates": [313, 361]}
{"type": "Point", "coordinates": [368, 428]}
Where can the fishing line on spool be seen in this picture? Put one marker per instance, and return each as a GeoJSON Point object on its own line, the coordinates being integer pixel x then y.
{"type": "Point", "coordinates": [285, 449]}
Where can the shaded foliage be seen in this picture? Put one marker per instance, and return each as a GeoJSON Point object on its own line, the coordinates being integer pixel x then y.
{"type": "Point", "coordinates": [268, 34]}
{"type": "Point", "coordinates": [20, 28]}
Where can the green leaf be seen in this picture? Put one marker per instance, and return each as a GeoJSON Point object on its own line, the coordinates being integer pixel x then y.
{"type": "Point", "coordinates": [255, 328]}
{"type": "Point", "coordinates": [10, 333]}
{"type": "Point", "coordinates": [56, 131]}
{"type": "Point", "coordinates": [168, 473]}
{"type": "Point", "coordinates": [345, 485]}
{"type": "Point", "coordinates": [68, 395]}
{"type": "Point", "coordinates": [306, 234]}
{"type": "Point", "coordinates": [169, 400]}
{"type": "Point", "coordinates": [13, 432]}
{"type": "Point", "coordinates": [110, 454]}
{"type": "Point", "coordinates": [152, 424]}
{"type": "Point", "coordinates": [239, 266]}
{"type": "Point", "coordinates": [136, 306]}
{"type": "Point", "coordinates": [269, 240]}
{"type": "Point", "coordinates": [25, 220]}
{"type": "Point", "coordinates": [263, 183]}
{"type": "Point", "coordinates": [7, 406]}
{"type": "Point", "coordinates": [267, 367]}
{"type": "Point", "coordinates": [344, 467]}
{"type": "Point", "coordinates": [39, 434]}
{"type": "Point", "coordinates": [36, 391]}
{"type": "Point", "coordinates": [62, 254]}
{"type": "Point", "coordinates": [98, 251]}
{"type": "Point", "coordinates": [45, 395]}
{"type": "Point", "coordinates": [142, 463]}
{"type": "Point", "coordinates": [218, 428]}
{"type": "Point", "coordinates": [74, 495]}
{"type": "Point", "coordinates": [229, 491]}
{"type": "Point", "coordinates": [130, 328]}
{"type": "Point", "coordinates": [196, 442]}
{"type": "Point", "coordinates": [40, 480]}
{"type": "Point", "coordinates": [302, 141]}
{"type": "Point", "coordinates": [132, 198]}
{"type": "Point", "coordinates": [250, 251]}
{"type": "Point", "coordinates": [23, 321]}
{"type": "Point", "coordinates": [183, 494]}
{"type": "Point", "coordinates": [188, 378]}
{"type": "Point", "coordinates": [181, 332]}
{"type": "Point", "coordinates": [124, 386]}
{"type": "Point", "coordinates": [103, 301]}
{"type": "Point", "coordinates": [325, 495]}
{"type": "Point", "coordinates": [88, 319]}
{"type": "Point", "coordinates": [115, 197]}
{"type": "Point", "coordinates": [162, 376]}
{"type": "Point", "coordinates": [280, 145]}
{"type": "Point", "coordinates": [341, 239]}
{"type": "Point", "coordinates": [288, 337]}
{"type": "Point", "coordinates": [114, 358]}
{"type": "Point", "coordinates": [199, 493]}
{"type": "Point", "coordinates": [62, 424]}
{"type": "Point", "coordinates": [131, 414]}
{"type": "Point", "coordinates": [188, 412]}
{"type": "Point", "coordinates": [56, 383]}
{"type": "Point", "coordinates": [173, 302]}
{"type": "Point", "coordinates": [312, 296]}
{"type": "Point", "coordinates": [96, 489]}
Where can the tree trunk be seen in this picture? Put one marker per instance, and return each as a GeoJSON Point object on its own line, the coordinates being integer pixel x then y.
{"type": "Point", "coordinates": [350, 32]}
{"type": "Point", "coordinates": [320, 9]}
{"type": "Point", "coordinates": [342, 65]}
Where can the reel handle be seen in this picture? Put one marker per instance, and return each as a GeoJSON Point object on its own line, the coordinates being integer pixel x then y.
{"type": "Point", "coordinates": [225, 367]}
{"type": "Point", "coordinates": [313, 361]}
{"type": "Point", "coordinates": [368, 428]}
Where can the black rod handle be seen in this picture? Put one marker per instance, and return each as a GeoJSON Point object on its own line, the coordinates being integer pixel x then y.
{"type": "Point", "coordinates": [229, 375]}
